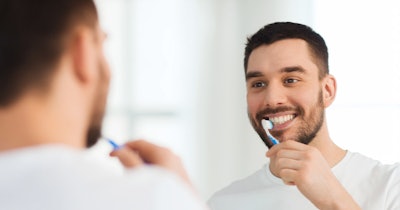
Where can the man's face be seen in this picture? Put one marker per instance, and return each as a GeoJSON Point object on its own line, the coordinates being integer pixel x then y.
{"type": "Point", "coordinates": [283, 87]}
{"type": "Point", "coordinates": [100, 99]}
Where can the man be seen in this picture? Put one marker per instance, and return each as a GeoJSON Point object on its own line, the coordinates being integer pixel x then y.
{"type": "Point", "coordinates": [288, 83]}
{"type": "Point", "coordinates": [53, 89]}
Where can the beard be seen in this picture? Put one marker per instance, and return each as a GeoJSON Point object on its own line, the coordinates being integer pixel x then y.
{"type": "Point", "coordinates": [99, 105]}
{"type": "Point", "coordinates": [307, 130]}
{"type": "Point", "coordinates": [93, 134]}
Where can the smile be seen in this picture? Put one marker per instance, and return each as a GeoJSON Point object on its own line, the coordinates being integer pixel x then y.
{"type": "Point", "coordinates": [281, 119]}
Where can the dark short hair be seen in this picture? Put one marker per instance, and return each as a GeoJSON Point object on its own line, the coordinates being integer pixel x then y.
{"type": "Point", "coordinates": [32, 40]}
{"type": "Point", "coordinates": [286, 30]}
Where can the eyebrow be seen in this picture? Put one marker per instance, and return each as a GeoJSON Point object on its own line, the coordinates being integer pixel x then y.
{"type": "Point", "coordinates": [253, 74]}
{"type": "Point", "coordinates": [289, 69]}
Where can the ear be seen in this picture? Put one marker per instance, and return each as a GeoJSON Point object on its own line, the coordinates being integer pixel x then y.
{"type": "Point", "coordinates": [328, 90]}
{"type": "Point", "coordinates": [83, 54]}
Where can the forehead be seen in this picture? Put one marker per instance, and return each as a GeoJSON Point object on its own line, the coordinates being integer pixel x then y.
{"type": "Point", "coordinates": [282, 54]}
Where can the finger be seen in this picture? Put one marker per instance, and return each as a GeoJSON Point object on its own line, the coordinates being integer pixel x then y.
{"type": "Point", "coordinates": [160, 156]}
{"type": "Point", "coordinates": [287, 163]}
{"type": "Point", "coordinates": [288, 145]}
{"type": "Point", "coordinates": [149, 152]}
{"type": "Point", "coordinates": [290, 154]}
{"type": "Point", "coordinates": [272, 151]}
{"type": "Point", "coordinates": [291, 144]}
{"type": "Point", "coordinates": [127, 157]}
{"type": "Point", "coordinates": [289, 183]}
{"type": "Point", "coordinates": [288, 176]}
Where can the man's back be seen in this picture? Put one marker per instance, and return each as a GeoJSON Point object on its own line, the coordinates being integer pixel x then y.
{"type": "Point", "coordinates": [57, 177]}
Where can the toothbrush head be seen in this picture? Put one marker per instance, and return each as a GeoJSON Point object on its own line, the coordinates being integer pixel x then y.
{"type": "Point", "coordinates": [267, 125]}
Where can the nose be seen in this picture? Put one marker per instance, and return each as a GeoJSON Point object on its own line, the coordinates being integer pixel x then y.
{"type": "Point", "coordinates": [274, 95]}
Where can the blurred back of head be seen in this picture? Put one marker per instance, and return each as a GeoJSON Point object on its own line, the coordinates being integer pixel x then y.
{"type": "Point", "coordinates": [33, 36]}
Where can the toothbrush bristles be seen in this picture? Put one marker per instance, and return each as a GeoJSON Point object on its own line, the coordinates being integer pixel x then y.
{"type": "Point", "coordinates": [267, 125]}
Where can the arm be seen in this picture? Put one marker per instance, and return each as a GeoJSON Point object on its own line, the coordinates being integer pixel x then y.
{"type": "Point", "coordinates": [305, 167]}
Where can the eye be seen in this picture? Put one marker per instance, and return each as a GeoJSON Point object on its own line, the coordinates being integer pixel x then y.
{"type": "Point", "coordinates": [258, 84]}
{"type": "Point", "coordinates": [290, 81]}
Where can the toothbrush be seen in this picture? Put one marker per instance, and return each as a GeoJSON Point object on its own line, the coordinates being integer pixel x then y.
{"type": "Point", "coordinates": [112, 143]}
{"type": "Point", "coordinates": [267, 125]}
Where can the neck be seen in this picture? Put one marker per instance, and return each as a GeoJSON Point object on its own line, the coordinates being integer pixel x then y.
{"type": "Point", "coordinates": [332, 153]}
{"type": "Point", "coordinates": [37, 119]}
{"type": "Point", "coordinates": [28, 124]}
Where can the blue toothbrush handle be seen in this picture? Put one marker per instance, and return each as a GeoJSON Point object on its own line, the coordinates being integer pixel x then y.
{"type": "Point", "coordinates": [113, 144]}
{"type": "Point", "coordinates": [273, 139]}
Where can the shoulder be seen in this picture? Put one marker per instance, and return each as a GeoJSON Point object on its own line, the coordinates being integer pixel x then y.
{"type": "Point", "coordinates": [249, 183]}
{"type": "Point", "coordinates": [368, 168]}
{"type": "Point", "coordinates": [145, 187]}
{"type": "Point", "coordinates": [160, 187]}
{"type": "Point", "coordinates": [152, 177]}
{"type": "Point", "coordinates": [361, 162]}
{"type": "Point", "coordinates": [73, 180]}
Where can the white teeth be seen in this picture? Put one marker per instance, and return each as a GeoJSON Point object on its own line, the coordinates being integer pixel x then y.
{"type": "Point", "coordinates": [281, 119]}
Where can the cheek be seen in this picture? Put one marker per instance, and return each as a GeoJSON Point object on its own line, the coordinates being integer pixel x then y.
{"type": "Point", "coordinates": [254, 104]}
{"type": "Point", "coordinates": [308, 103]}
{"type": "Point", "coordinates": [305, 97]}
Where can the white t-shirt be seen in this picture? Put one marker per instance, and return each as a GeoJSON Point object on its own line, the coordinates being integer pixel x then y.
{"type": "Point", "coordinates": [60, 178]}
{"type": "Point", "coordinates": [372, 185]}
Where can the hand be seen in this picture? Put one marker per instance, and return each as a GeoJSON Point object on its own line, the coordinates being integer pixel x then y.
{"type": "Point", "coordinates": [136, 153]}
{"type": "Point", "coordinates": [305, 167]}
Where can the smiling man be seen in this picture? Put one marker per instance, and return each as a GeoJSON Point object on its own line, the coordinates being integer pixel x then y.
{"type": "Point", "coordinates": [288, 83]}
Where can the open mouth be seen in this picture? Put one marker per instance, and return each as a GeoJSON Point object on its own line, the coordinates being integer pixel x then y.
{"type": "Point", "coordinates": [279, 120]}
